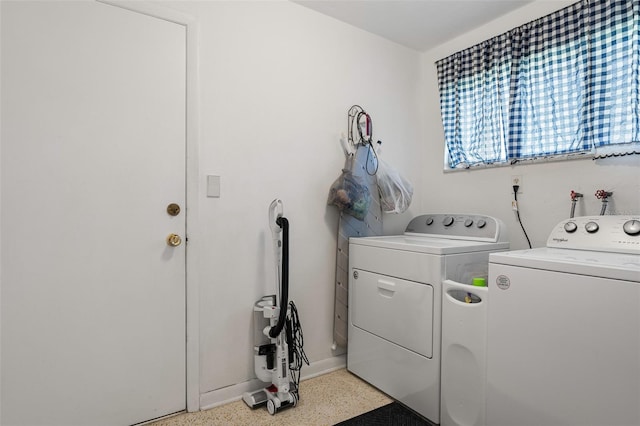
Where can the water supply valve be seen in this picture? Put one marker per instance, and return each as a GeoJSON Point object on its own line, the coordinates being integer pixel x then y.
{"type": "Point", "coordinates": [574, 199]}
{"type": "Point", "coordinates": [603, 195]}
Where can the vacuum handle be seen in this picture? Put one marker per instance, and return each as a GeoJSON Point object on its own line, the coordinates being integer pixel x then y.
{"type": "Point", "coordinates": [283, 223]}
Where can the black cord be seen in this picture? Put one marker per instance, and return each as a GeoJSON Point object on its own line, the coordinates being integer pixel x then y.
{"type": "Point", "coordinates": [355, 114]}
{"type": "Point", "coordinates": [298, 357]}
{"type": "Point", "coordinates": [515, 197]}
{"type": "Point", "coordinates": [369, 151]}
{"type": "Point", "coordinates": [364, 139]}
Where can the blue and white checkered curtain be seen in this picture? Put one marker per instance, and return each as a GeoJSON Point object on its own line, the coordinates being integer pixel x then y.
{"type": "Point", "coordinates": [565, 83]}
{"type": "Point", "coordinates": [474, 100]}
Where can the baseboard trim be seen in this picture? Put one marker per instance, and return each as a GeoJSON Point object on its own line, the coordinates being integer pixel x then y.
{"type": "Point", "coordinates": [233, 393]}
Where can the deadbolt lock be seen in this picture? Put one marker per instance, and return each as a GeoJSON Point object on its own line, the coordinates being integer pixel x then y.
{"type": "Point", "coordinates": [173, 209]}
{"type": "Point", "coordinates": [174, 240]}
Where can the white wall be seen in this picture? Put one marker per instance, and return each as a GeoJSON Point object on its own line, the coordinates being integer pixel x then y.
{"type": "Point", "coordinates": [276, 82]}
{"type": "Point", "coordinates": [545, 186]}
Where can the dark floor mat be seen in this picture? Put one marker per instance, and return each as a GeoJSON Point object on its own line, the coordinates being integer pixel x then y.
{"type": "Point", "coordinates": [394, 414]}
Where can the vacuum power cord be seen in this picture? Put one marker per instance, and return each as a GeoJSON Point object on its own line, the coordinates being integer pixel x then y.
{"type": "Point", "coordinates": [295, 341]}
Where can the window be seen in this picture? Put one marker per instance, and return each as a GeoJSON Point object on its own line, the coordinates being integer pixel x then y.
{"type": "Point", "coordinates": [566, 83]}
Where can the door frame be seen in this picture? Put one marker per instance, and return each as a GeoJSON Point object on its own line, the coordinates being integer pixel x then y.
{"type": "Point", "coordinates": [192, 343]}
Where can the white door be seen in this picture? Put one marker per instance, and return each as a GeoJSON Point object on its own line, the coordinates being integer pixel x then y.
{"type": "Point", "coordinates": [92, 153]}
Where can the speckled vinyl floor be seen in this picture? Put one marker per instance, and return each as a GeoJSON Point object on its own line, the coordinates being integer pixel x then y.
{"type": "Point", "coordinates": [324, 400]}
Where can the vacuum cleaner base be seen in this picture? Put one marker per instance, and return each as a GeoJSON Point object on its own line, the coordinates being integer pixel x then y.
{"type": "Point", "coordinates": [255, 399]}
{"type": "Point", "coordinates": [275, 401]}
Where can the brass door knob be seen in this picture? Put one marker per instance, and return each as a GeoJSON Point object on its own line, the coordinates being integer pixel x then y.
{"type": "Point", "coordinates": [174, 240]}
{"type": "Point", "coordinates": [173, 209]}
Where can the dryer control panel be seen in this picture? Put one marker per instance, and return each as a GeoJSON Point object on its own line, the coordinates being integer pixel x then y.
{"type": "Point", "coordinates": [611, 233]}
{"type": "Point", "coordinates": [458, 226]}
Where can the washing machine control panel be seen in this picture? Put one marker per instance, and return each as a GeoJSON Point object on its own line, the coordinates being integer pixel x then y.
{"type": "Point", "coordinates": [458, 226]}
{"type": "Point", "coordinates": [611, 233]}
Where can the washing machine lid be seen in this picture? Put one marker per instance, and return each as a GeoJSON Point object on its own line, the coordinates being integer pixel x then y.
{"type": "Point", "coordinates": [429, 245]}
{"type": "Point", "coordinates": [618, 266]}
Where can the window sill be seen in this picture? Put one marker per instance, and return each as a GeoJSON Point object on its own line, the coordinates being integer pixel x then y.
{"type": "Point", "coordinates": [526, 161]}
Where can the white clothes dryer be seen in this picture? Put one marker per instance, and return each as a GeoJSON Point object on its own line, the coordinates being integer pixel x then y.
{"type": "Point", "coordinates": [564, 328]}
{"type": "Point", "coordinates": [395, 301]}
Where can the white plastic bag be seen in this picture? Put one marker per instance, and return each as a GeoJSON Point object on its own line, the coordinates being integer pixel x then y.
{"type": "Point", "coordinates": [395, 191]}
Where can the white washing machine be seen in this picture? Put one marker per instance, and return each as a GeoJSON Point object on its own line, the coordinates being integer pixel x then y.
{"type": "Point", "coordinates": [395, 301]}
{"type": "Point", "coordinates": [564, 328]}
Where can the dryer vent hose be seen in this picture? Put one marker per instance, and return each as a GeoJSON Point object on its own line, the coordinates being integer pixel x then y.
{"type": "Point", "coordinates": [283, 223]}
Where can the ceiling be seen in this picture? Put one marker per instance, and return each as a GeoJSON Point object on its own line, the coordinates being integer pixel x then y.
{"type": "Point", "coordinates": [417, 24]}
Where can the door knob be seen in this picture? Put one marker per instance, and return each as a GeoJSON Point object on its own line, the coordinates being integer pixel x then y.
{"type": "Point", "coordinates": [174, 240]}
{"type": "Point", "coordinates": [173, 209]}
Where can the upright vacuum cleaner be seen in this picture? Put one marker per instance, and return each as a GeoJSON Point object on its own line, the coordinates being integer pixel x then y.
{"type": "Point", "coordinates": [278, 353]}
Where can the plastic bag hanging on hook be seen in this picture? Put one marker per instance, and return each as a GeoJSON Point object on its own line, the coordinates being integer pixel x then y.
{"type": "Point", "coordinates": [350, 195]}
{"type": "Point", "coordinates": [395, 190]}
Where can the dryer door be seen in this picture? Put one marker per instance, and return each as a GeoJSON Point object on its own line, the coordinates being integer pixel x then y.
{"type": "Point", "coordinates": [396, 310]}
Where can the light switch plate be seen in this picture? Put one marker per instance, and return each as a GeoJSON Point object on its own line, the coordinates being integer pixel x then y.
{"type": "Point", "coordinates": [213, 186]}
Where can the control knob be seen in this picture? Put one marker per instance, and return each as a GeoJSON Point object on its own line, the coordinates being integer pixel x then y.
{"type": "Point", "coordinates": [631, 227]}
{"type": "Point", "coordinates": [468, 222]}
{"type": "Point", "coordinates": [429, 221]}
{"type": "Point", "coordinates": [481, 223]}
{"type": "Point", "coordinates": [591, 227]}
{"type": "Point", "coordinates": [448, 221]}
{"type": "Point", "coordinates": [570, 227]}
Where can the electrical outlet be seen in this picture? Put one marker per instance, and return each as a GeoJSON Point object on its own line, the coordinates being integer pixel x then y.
{"type": "Point", "coordinates": [516, 180]}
